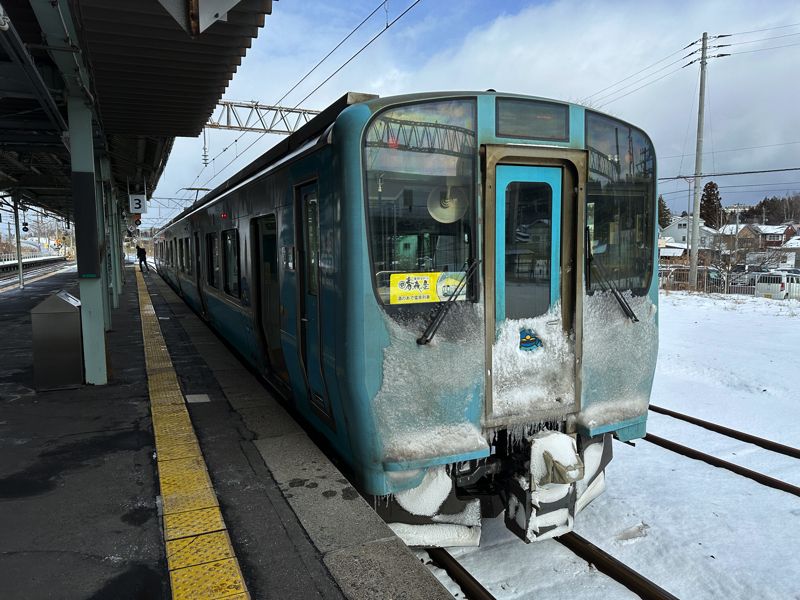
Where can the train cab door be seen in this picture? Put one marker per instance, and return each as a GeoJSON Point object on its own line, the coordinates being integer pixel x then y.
{"type": "Point", "coordinates": [309, 308]}
{"type": "Point", "coordinates": [527, 271]}
{"type": "Point", "coordinates": [527, 234]}
{"type": "Point", "coordinates": [268, 300]}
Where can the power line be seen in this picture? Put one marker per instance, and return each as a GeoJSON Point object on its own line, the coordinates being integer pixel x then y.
{"type": "Point", "coordinates": [774, 37]}
{"type": "Point", "coordinates": [606, 103]}
{"type": "Point", "coordinates": [763, 49]}
{"type": "Point", "coordinates": [732, 150]}
{"type": "Point", "coordinates": [757, 187]}
{"type": "Point", "coordinates": [760, 30]}
{"type": "Point", "coordinates": [642, 71]}
{"type": "Point", "coordinates": [709, 175]}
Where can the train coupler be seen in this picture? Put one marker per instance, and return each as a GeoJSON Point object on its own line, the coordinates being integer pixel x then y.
{"type": "Point", "coordinates": [540, 503]}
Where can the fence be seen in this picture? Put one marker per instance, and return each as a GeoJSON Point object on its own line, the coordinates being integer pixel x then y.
{"type": "Point", "coordinates": [12, 256]}
{"type": "Point", "coordinates": [708, 281]}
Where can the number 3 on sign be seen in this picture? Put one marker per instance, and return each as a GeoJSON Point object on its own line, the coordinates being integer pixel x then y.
{"type": "Point", "coordinates": [137, 203]}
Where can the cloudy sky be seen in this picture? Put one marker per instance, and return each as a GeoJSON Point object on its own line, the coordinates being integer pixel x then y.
{"type": "Point", "coordinates": [564, 49]}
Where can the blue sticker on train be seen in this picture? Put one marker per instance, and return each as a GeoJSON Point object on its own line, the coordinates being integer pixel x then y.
{"type": "Point", "coordinates": [529, 341]}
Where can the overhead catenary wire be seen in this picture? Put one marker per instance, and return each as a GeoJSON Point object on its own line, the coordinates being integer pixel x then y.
{"type": "Point", "coordinates": [360, 50]}
{"type": "Point", "coordinates": [301, 80]}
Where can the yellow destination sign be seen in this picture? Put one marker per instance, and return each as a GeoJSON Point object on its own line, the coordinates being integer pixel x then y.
{"type": "Point", "coordinates": [414, 288]}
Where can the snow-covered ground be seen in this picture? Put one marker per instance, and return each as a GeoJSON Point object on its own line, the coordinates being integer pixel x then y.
{"type": "Point", "coordinates": [698, 531]}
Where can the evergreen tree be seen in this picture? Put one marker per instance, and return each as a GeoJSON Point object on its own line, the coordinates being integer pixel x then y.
{"type": "Point", "coordinates": [664, 213]}
{"type": "Point", "coordinates": [711, 206]}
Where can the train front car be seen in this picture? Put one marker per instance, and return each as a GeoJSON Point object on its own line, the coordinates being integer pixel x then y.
{"type": "Point", "coordinates": [502, 310]}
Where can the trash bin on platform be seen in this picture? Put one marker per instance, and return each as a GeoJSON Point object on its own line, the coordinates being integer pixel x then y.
{"type": "Point", "coordinates": [57, 344]}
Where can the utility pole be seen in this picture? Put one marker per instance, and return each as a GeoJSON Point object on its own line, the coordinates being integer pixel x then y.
{"type": "Point", "coordinates": [698, 168]}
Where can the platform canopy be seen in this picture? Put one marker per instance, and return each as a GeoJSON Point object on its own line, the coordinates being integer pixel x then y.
{"type": "Point", "coordinates": [150, 70]}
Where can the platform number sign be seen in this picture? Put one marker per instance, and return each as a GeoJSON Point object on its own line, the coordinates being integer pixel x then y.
{"type": "Point", "coordinates": [137, 203]}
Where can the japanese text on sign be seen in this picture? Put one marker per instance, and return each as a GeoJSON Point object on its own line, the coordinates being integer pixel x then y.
{"type": "Point", "coordinates": [413, 288]}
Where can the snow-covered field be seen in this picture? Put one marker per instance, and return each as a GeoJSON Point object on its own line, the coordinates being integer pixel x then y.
{"type": "Point", "coordinates": [698, 531]}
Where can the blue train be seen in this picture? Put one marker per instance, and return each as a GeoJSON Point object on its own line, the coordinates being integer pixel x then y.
{"type": "Point", "coordinates": [456, 289]}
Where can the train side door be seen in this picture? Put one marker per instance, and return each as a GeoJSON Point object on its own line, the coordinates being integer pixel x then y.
{"type": "Point", "coordinates": [198, 273]}
{"type": "Point", "coordinates": [309, 327]}
{"type": "Point", "coordinates": [265, 261]}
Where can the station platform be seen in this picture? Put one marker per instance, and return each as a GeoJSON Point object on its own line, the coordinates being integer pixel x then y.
{"type": "Point", "coordinates": [182, 478]}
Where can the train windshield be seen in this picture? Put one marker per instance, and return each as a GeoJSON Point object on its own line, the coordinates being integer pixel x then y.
{"type": "Point", "coordinates": [420, 170]}
{"type": "Point", "coordinates": [620, 203]}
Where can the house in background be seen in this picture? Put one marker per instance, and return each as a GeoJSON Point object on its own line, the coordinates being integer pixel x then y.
{"type": "Point", "coordinates": [774, 236]}
{"type": "Point", "coordinates": [742, 236]}
{"type": "Point", "coordinates": [680, 230]}
{"type": "Point", "coordinates": [670, 252]}
{"type": "Point", "coordinates": [793, 247]}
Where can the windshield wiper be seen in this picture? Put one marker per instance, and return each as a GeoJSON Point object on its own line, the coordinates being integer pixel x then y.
{"type": "Point", "coordinates": [605, 282]}
{"type": "Point", "coordinates": [445, 306]}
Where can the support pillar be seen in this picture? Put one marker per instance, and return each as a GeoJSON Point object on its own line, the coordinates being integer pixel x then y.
{"type": "Point", "coordinates": [116, 272]}
{"type": "Point", "coordinates": [103, 237]}
{"type": "Point", "coordinates": [87, 241]}
{"type": "Point", "coordinates": [19, 244]}
{"type": "Point", "coordinates": [112, 227]}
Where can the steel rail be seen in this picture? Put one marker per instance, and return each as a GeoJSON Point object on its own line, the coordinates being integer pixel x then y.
{"type": "Point", "coordinates": [32, 276]}
{"type": "Point", "coordinates": [468, 584]}
{"type": "Point", "coordinates": [723, 464]}
{"type": "Point", "coordinates": [739, 435]}
{"type": "Point", "coordinates": [613, 568]}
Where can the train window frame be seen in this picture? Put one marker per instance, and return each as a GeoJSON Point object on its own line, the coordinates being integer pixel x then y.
{"type": "Point", "coordinates": [651, 207]}
{"type": "Point", "coordinates": [530, 102]}
{"type": "Point", "coordinates": [212, 259]}
{"type": "Point", "coordinates": [472, 291]}
{"type": "Point", "coordinates": [226, 279]}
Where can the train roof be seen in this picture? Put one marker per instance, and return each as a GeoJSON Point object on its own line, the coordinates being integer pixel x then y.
{"type": "Point", "coordinates": [320, 123]}
{"type": "Point", "coordinates": [314, 127]}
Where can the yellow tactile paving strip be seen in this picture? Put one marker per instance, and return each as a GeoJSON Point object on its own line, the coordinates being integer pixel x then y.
{"type": "Point", "coordinates": [201, 561]}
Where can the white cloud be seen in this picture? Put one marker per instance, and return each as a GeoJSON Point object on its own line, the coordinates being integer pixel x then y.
{"type": "Point", "coordinates": [565, 49]}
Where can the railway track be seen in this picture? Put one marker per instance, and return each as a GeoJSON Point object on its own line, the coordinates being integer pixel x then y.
{"type": "Point", "coordinates": [602, 561]}
{"type": "Point", "coordinates": [733, 433]}
{"type": "Point", "coordinates": [756, 476]}
{"type": "Point", "coordinates": [11, 280]}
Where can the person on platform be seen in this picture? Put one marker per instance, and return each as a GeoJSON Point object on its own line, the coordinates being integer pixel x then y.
{"type": "Point", "coordinates": [141, 254]}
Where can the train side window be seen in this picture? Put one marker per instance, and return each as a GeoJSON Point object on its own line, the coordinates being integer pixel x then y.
{"type": "Point", "coordinates": [311, 216]}
{"type": "Point", "coordinates": [230, 259]}
{"type": "Point", "coordinates": [187, 256]}
{"type": "Point", "coordinates": [181, 261]}
{"type": "Point", "coordinates": [212, 260]}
